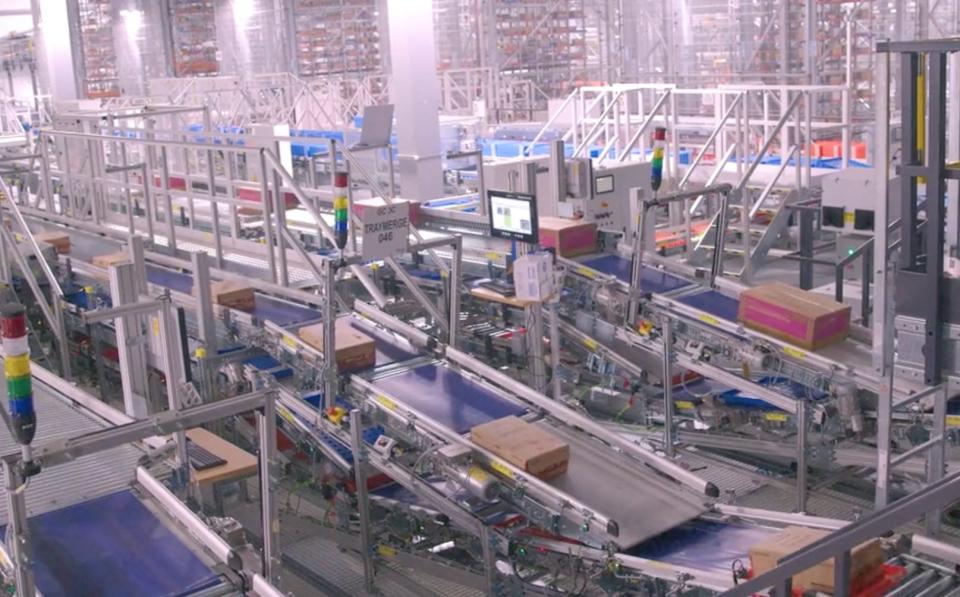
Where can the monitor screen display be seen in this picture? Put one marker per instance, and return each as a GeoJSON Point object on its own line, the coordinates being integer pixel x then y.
{"type": "Point", "coordinates": [603, 184]}
{"type": "Point", "coordinates": [513, 216]}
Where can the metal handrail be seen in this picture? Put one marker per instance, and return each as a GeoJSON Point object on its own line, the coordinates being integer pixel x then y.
{"type": "Point", "coordinates": [327, 231]}
{"type": "Point", "coordinates": [643, 127]}
{"type": "Point", "coordinates": [713, 178]}
{"type": "Point", "coordinates": [552, 119]}
{"type": "Point", "coordinates": [769, 188]}
{"type": "Point", "coordinates": [769, 141]}
{"type": "Point", "coordinates": [595, 130]}
{"type": "Point", "coordinates": [44, 266]}
{"type": "Point", "coordinates": [713, 135]}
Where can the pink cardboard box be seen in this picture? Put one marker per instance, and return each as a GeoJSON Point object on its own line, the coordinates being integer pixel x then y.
{"type": "Point", "coordinates": [569, 238]}
{"type": "Point", "coordinates": [806, 319]}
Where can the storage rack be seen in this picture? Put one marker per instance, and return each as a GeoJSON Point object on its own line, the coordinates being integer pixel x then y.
{"type": "Point", "coordinates": [194, 34]}
{"type": "Point", "coordinates": [457, 25]}
{"type": "Point", "coordinates": [337, 37]}
{"type": "Point", "coordinates": [543, 41]}
{"type": "Point", "coordinates": [98, 56]}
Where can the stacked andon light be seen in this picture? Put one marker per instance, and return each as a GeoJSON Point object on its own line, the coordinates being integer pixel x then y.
{"type": "Point", "coordinates": [341, 205]}
{"type": "Point", "coordinates": [659, 142]}
{"type": "Point", "coordinates": [16, 367]}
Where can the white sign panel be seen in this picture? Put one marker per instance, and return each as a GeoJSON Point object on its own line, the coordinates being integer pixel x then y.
{"type": "Point", "coordinates": [385, 230]}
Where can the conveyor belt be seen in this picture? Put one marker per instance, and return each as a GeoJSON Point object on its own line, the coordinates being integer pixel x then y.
{"type": "Point", "coordinates": [651, 280]}
{"type": "Point", "coordinates": [112, 546]}
{"type": "Point", "coordinates": [265, 308]}
{"type": "Point", "coordinates": [448, 398]}
{"type": "Point", "coordinates": [85, 247]}
{"type": "Point", "coordinates": [388, 352]}
{"type": "Point", "coordinates": [595, 475]}
{"type": "Point", "coordinates": [170, 279]}
{"type": "Point", "coordinates": [282, 313]}
{"type": "Point", "coordinates": [714, 303]}
{"type": "Point", "coordinates": [642, 503]}
{"type": "Point", "coordinates": [704, 545]}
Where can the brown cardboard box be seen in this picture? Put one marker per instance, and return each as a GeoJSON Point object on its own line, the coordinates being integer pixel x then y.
{"type": "Point", "coordinates": [569, 238]}
{"type": "Point", "coordinates": [109, 259]}
{"type": "Point", "coordinates": [807, 319]}
{"type": "Point", "coordinates": [233, 294]}
{"type": "Point", "coordinates": [354, 349]}
{"type": "Point", "coordinates": [59, 240]}
{"type": "Point", "coordinates": [865, 560]}
{"type": "Point", "coordinates": [523, 445]}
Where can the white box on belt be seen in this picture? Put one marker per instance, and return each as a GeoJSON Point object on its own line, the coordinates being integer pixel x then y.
{"type": "Point", "coordinates": [533, 276]}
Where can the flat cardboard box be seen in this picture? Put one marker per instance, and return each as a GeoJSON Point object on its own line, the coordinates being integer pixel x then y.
{"type": "Point", "coordinates": [523, 445]}
{"type": "Point", "coordinates": [865, 560]}
{"type": "Point", "coordinates": [569, 238]}
{"type": "Point", "coordinates": [105, 261]}
{"type": "Point", "coordinates": [806, 319]}
{"type": "Point", "coordinates": [354, 349]}
{"type": "Point", "coordinates": [59, 240]}
{"type": "Point", "coordinates": [233, 294]}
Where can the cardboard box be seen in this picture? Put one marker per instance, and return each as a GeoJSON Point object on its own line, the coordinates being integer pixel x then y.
{"type": "Point", "coordinates": [569, 238]}
{"type": "Point", "coordinates": [105, 261]}
{"type": "Point", "coordinates": [806, 319]}
{"type": "Point", "coordinates": [523, 445]}
{"type": "Point", "coordinates": [354, 349]}
{"type": "Point", "coordinates": [59, 240]}
{"type": "Point", "coordinates": [233, 294]}
{"type": "Point", "coordinates": [866, 560]}
{"type": "Point", "coordinates": [533, 277]}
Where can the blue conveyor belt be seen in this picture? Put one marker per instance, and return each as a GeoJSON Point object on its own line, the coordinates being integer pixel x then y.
{"type": "Point", "coordinates": [651, 280]}
{"type": "Point", "coordinates": [265, 308]}
{"type": "Point", "coordinates": [704, 545]}
{"type": "Point", "coordinates": [714, 303]}
{"type": "Point", "coordinates": [170, 279]}
{"type": "Point", "coordinates": [112, 547]}
{"type": "Point", "coordinates": [387, 352]}
{"type": "Point", "coordinates": [448, 398]}
{"type": "Point", "coordinates": [280, 312]}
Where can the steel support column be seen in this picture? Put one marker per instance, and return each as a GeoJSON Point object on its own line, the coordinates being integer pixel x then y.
{"type": "Point", "coordinates": [363, 498]}
{"type": "Point", "coordinates": [269, 515]}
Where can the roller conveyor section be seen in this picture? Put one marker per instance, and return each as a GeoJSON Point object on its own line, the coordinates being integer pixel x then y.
{"type": "Point", "coordinates": [85, 478]}
{"type": "Point", "coordinates": [89, 534]}
{"type": "Point", "coordinates": [652, 280]}
{"type": "Point", "coordinates": [113, 546]}
{"type": "Point", "coordinates": [448, 398]}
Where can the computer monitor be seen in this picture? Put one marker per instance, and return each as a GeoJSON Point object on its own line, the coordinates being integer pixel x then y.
{"type": "Point", "coordinates": [513, 216]}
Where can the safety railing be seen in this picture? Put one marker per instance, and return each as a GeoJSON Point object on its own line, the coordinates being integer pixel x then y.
{"type": "Point", "coordinates": [137, 166]}
{"type": "Point", "coordinates": [10, 252]}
